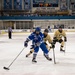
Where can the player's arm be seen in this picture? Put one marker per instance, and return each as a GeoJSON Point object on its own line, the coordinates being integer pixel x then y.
{"type": "Point", "coordinates": [49, 39]}
{"type": "Point", "coordinates": [51, 42]}
{"type": "Point", "coordinates": [55, 35]}
{"type": "Point", "coordinates": [28, 39]}
{"type": "Point", "coordinates": [40, 39]}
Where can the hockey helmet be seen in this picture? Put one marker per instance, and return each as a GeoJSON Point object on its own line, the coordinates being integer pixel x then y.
{"type": "Point", "coordinates": [38, 29]}
{"type": "Point", "coordinates": [46, 30]}
{"type": "Point", "coordinates": [60, 27]}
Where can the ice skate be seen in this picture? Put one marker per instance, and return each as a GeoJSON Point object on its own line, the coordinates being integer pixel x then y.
{"type": "Point", "coordinates": [62, 50]}
{"type": "Point", "coordinates": [47, 57]}
{"type": "Point", "coordinates": [34, 60]}
{"type": "Point", "coordinates": [27, 55]}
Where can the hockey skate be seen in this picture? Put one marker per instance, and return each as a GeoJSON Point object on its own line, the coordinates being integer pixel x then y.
{"type": "Point", "coordinates": [27, 55]}
{"type": "Point", "coordinates": [62, 50]}
{"type": "Point", "coordinates": [34, 60]}
{"type": "Point", "coordinates": [47, 57]}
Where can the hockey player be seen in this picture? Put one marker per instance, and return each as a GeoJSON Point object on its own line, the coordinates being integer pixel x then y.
{"type": "Point", "coordinates": [46, 38]}
{"type": "Point", "coordinates": [37, 39]}
{"type": "Point", "coordinates": [10, 32]}
{"type": "Point", "coordinates": [58, 38]}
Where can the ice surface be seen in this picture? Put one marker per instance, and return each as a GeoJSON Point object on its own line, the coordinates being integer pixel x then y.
{"type": "Point", "coordinates": [9, 49]}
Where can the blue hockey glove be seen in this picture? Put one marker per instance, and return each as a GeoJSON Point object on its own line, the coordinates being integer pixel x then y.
{"type": "Point", "coordinates": [25, 44]}
{"type": "Point", "coordinates": [32, 47]}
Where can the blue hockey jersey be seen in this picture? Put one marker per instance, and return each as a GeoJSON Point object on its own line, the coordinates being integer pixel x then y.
{"type": "Point", "coordinates": [36, 38]}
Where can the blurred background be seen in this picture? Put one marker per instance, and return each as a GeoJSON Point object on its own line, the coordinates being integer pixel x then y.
{"type": "Point", "coordinates": [28, 14]}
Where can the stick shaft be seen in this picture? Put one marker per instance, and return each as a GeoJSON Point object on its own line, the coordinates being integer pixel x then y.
{"type": "Point", "coordinates": [16, 58]}
{"type": "Point", "coordinates": [54, 56]}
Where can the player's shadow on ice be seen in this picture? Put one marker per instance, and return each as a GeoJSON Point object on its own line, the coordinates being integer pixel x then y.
{"type": "Point", "coordinates": [66, 64]}
{"type": "Point", "coordinates": [4, 42]}
{"type": "Point", "coordinates": [69, 62]}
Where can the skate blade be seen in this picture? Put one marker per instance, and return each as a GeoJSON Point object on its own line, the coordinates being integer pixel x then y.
{"type": "Point", "coordinates": [34, 62]}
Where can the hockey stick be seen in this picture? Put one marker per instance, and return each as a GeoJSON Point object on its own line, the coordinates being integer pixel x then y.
{"type": "Point", "coordinates": [54, 56]}
{"type": "Point", "coordinates": [7, 68]}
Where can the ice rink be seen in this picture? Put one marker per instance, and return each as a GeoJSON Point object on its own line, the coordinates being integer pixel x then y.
{"type": "Point", "coordinates": [9, 49]}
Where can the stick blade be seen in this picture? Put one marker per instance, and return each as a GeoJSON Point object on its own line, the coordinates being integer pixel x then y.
{"type": "Point", "coordinates": [6, 68]}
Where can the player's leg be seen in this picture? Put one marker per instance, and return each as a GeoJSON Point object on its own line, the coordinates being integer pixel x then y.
{"type": "Point", "coordinates": [31, 51]}
{"type": "Point", "coordinates": [36, 49]}
{"type": "Point", "coordinates": [10, 35]}
{"type": "Point", "coordinates": [45, 50]}
{"type": "Point", "coordinates": [48, 47]}
{"type": "Point", "coordinates": [62, 45]}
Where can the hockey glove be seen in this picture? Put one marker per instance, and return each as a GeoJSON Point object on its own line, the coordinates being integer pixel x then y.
{"type": "Point", "coordinates": [54, 38]}
{"type": "Point", "coordinates": [26, 42]}
{"type": "Point", "coordinates": [53, 45]}
{"type": "Point", "coordinates": [32, 47]}
{"type": "Point", "coordinates": [65, 39]}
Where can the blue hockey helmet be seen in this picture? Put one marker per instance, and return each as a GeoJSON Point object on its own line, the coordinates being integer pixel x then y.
{"type": "Point", "coordinates": [38, 29]}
